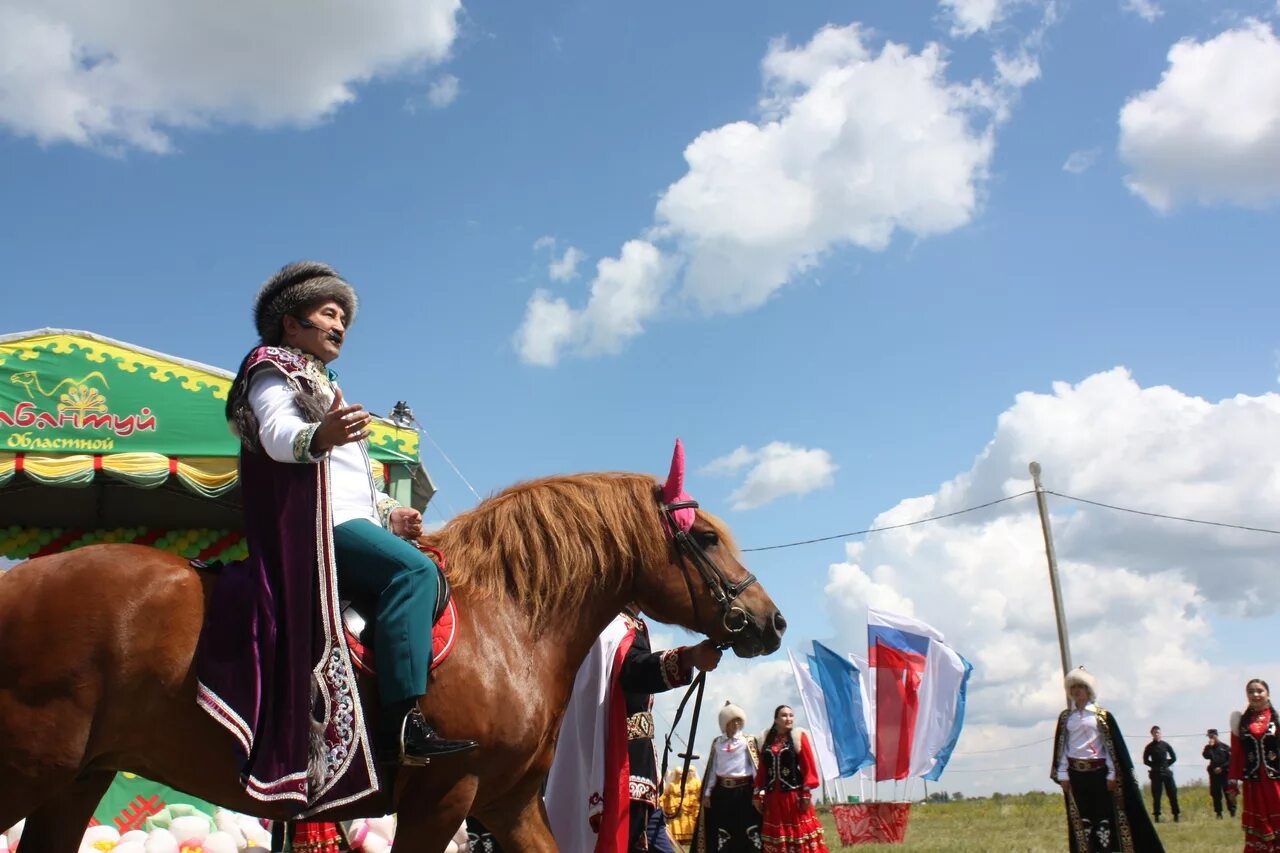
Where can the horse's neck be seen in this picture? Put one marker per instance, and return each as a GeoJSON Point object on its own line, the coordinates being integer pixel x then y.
{"type": "Point", "coordinates": [574, 633]}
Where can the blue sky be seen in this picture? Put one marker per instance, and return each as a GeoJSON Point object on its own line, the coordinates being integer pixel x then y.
{"type": "Point", "coordinates": [152, 211]}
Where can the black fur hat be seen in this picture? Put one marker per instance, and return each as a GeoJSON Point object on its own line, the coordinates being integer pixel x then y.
{"type": "Point", "coordinates": [296, 286]}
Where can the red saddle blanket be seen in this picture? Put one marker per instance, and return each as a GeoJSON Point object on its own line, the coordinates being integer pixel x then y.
{"type": "Point", "coordinates": [443, 633]}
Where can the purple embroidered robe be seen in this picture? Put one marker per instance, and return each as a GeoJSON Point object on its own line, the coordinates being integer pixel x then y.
{"type": "Point", "coordinates": [273, 665]}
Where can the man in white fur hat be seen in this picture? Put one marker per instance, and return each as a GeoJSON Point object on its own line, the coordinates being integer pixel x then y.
{"type": "Point", "coordinates": [1092, 765]}
{"type": "Point", "coordinates": [728, 822]}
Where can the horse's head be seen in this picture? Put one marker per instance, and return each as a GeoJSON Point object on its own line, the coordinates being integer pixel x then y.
{"type": "Point", "coordinates": [704, 586]}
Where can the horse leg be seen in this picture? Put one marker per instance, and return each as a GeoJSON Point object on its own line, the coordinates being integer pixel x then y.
{"type": "Point", "coordinates": [425, 824]}
{"type": "Point", "coordinates": [58, 824]}
{"type": "Point", "coordinates": [525, 828]}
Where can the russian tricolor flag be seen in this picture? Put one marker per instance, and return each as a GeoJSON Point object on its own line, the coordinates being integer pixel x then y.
{"type": "Point", "coordinates": [916, 729]}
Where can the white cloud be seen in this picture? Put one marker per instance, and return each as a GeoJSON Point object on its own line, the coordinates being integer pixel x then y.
{"type": "Point", "coordinates": [1210, 131]}
{"type": "Point", "coordinates": [777, 469]}
{"type": "Point", "coordinates": [443, 91]}
{"type": "Point", "coordinates": [1018, 70]}
{"type": "Point", "coordinates": [128, 72]}
{"type": "Point", "coordinates": [1079, 162]}
{"type": "Point", "coordinates": [1138, 591]}
{"type": "Point", "coordinates": [625, 293]}
{"type": "Point", "coordinates": [1147, 10]}
{"type": "Point", "coordinates": [856, 144]}
{"type": "Point", "coordinates": [731, 463]}
{"type": "Point", "coordinates": [565, 268]}
{"type": "Point", "coordinates": [973, 16]}
{"type": "Point", "coordinates": [855, 147]}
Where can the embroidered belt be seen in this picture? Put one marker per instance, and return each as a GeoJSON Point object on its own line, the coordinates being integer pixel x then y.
{"type": "Point", "coordinates": [734, 781]}
{"type": "Point", "coordinates": [1086, 764]}
{"type": "Point", "coordinates": [640, 726]}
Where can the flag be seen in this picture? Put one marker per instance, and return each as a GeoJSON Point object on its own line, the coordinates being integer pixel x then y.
{"type": "Point", "coordinates": [950, 702]}
{"type": "Point", "coordinates": [925, 683]}
{"type": "Point", "coordinates": [897, 649]}
{"type": "Point", "coordinates": [815, 709]}
{"type": "Point", "coordinates": [868, 695]}
{"type": "Point", "coordinates": [897, 690]}
{"type": "Point", "coordinates": [839, 681]}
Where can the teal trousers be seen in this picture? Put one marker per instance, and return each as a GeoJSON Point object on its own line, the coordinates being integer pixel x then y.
{"type": "Point", "coordinates": [386, 576]}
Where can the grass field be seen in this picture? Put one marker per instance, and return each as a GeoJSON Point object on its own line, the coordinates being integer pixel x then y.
{"type": "Point", "coordinates": [1035, 823]}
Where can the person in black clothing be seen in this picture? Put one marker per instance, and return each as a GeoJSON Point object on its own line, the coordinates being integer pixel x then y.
{"type": "Point", "coordinates": [1218, 754]}
{"type": "Point", "coordinates": [1159, 756]}
{"type": "Point", "coordinates": [644, 673]}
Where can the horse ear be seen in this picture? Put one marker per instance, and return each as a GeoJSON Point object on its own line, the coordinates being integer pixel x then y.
{"type": "Point", "coordinates": [674, 487]}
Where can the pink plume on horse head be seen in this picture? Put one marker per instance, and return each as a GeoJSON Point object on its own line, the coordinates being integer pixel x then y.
{"type": "Point", "coordinates": [673, 490]}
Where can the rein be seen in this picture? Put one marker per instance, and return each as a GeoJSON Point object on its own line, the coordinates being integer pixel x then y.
{"type": "Point", "coordinates": [699, 685]}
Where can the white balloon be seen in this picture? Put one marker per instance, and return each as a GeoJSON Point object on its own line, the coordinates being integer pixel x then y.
{"type": "Point", "coordinates": [220, 842]}
{"type": "Point", "coordinates": [384, 826]}
{"type": "Point", "coordinates": [374, 843]}
{"type": "Point", "coordinates": [161, 841]}
{"type": "Point", "coordinates": [189, 828]}
{"type": "Point", "coordinates": [100, 834]}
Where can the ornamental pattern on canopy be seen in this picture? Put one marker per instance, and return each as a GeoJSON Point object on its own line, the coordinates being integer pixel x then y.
{"type": "Point", "coordinates": [80, 410]}
{"type": "Point", "coordinates": [82, 396]}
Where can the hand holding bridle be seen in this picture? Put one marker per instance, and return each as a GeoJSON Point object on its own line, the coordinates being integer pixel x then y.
{"type": "Point", "coordinates": [705, 656]}
{"type": "Point", "coordinates": [340, 425]}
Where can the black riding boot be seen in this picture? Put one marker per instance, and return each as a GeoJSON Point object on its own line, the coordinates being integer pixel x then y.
{"type": "Point", "coordinates": [405, 737]}
{"type": "Point", "coordinates": [419, 743]}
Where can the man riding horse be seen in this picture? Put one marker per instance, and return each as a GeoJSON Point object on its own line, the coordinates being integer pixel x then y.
{"type": "Point", "coordinates": [316, 521]}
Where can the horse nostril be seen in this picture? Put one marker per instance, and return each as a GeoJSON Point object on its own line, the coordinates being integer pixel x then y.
{"type": "Point", "coordinates": [779, 623]}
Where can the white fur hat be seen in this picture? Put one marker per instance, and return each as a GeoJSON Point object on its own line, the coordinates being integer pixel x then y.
{"type": "Point", "coordinates": [729, 712]}
{"type": "Point", "coordinates": [1080, 676]}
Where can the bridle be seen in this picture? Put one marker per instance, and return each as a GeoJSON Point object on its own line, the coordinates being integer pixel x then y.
{"type": "Point", "coordinates": [725, 592]}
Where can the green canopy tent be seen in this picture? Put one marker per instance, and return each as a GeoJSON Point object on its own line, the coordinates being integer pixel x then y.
{"type": "Point", "coordinates": [103, 441]}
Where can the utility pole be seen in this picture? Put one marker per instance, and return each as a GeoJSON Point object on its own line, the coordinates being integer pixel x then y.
{"type": "Point", "coordinates": [1064, 645]}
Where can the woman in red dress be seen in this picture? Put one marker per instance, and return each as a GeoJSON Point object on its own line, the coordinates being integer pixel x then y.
{"type": "Point", "coordinates": [787, 773]}
{"type": "Point", "coordinates": [1255, 760]}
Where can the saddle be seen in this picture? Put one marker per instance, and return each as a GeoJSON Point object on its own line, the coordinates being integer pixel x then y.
{"type": "Point", "coordinates": [358, 624]}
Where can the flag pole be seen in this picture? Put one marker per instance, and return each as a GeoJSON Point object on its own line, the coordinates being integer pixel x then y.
{"type": "Point", "coordinates": [1064, 644]}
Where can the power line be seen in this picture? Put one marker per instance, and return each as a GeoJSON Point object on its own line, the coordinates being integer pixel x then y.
{"type": "Point", "coordinates": [1062, 495]}
{"type": "Point", "coordinates": [1004, 748]}
{"type": "Point", "coordinates": [417, 424]}
{"type": "Point", "coordinates": [1045, 740]}
{"type": "Point", "coordinates": [1162, 515]}
{"type": "Point", "coordinates": [892, 526]}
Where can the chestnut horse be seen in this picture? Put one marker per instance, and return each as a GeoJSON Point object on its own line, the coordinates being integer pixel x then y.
{"type": "Point", "coordinates": [97, 649]}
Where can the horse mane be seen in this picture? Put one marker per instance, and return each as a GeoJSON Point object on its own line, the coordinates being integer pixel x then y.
{"type": "Point", "coordinates": [550, 543]}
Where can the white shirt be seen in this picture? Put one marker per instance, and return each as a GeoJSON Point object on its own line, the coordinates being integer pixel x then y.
{"type": "Point", "coordinates": [1084, 741]}
{"type": "Point", "coordinates": [729, 757]}
{"type": "Point", "coordinates": [286, 435]}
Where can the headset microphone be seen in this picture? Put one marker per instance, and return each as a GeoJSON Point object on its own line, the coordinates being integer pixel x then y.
{"type": "Point", "coordinates": [331, 335]}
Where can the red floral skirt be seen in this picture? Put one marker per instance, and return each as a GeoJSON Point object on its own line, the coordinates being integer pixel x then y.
{"type": "Point", "coordinates": [786, 827]}
{"type": "Point", "coordinates": [1260, 816]}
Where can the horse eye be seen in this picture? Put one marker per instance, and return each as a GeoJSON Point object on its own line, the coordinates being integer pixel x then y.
{"type": "Point", "coordinates": [708, 539]}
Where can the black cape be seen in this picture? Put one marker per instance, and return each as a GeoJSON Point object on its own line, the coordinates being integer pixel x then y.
{"type": "Point", "coordinates": [1137, 832]}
